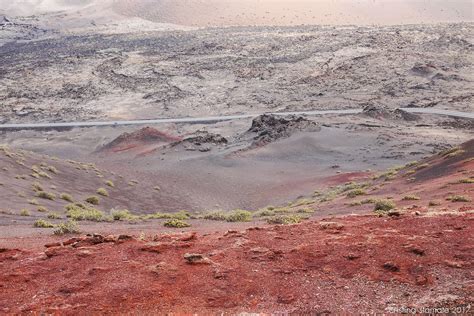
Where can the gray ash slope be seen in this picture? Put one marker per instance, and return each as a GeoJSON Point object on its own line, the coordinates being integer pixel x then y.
{"type": "Point", "coordinates": [234, 70]}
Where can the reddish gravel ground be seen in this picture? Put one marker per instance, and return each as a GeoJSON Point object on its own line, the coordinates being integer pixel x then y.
{"type": "Point", "coordinates": [349, 264]}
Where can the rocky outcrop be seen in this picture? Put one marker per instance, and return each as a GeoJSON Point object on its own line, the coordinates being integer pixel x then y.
{"type": "Point", "coordinates": [269, 128]}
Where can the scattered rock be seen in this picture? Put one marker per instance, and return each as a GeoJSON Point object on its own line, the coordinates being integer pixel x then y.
{"type": "Point", "coordinates": [194, 258]}
{"type": "Point", "coordinates": [124, 238]}
{"type": "Point", "coordinates": [188, 237]}
{"type": "Point", "coordinates": [331, 225]}
{"type": "Point", "coordinates": [73, 240]}
{"type": "Point", "coordinates": [155, 247]}
{"type": "Point", "coordinates": [53, 244]}
{"type": "Point", "coordinates": [201, 141]}
{"type": "Point", "coordinates": [286, 298]}
{"type": "Point", "coordinates": [454, 264]}
{"type": "Point", "coordinates": [394, 213]}
{"type": "Point", "coordinates": [390, 266]}
{"type": "Point", "coordinates": [84, 253]}
{"type": "Point", "coordinates": [110, 238]}
{"type": "Point", "coordinates": [381, 113]}
{"type": "Point", "coordinates": [55, 251]}
{"type": "Point", "coordinates": [421, 280]}
{"type": "Point", "coordinates": [417, 251]}
{"type": "Point", "coordinates": [352, 256]}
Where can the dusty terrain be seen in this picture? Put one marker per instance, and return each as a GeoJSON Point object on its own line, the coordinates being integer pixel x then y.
{"type": "Point", "coordinates": [235, 70]}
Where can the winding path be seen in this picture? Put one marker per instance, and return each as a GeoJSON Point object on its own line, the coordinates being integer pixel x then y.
{"type": "Point", "coordinates": [214, 119]}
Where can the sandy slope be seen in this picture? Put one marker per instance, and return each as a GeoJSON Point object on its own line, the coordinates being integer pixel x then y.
{"type": "Point", "coordinates": [263, 12]}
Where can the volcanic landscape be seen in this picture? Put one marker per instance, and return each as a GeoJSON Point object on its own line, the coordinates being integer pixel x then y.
{"type": "Point", "coordinates": [365, 206]}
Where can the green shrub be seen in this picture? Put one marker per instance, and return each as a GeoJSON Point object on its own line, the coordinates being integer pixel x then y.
{"type": "Point", "coordinates": [41, 223]}
{"type": "Point", "coordinates": [46, 195]}
{"type": "Point", "coordinates": [459, 198]}
{"type": "Point", "coordinates": [69, 227]}
{"type": "Point", "coordinates": [422, 166]}
{"type": "Point", "coordinates": [182, 215]}
{"type": "Point", "coordinates": [119, 215]}
{"type": "Point", "coordinates": [411, 198]}
{"type": "Point", "coordinates": [52, 169]}
{"type": "Point", "coordinates": [356, 192]}
{"type": "Point", "coordinates": [84, 214]}
{"type": "Point", "coordinates": [94, 200]}
{"type": "Point", "coordinates": [239, 216]}
{"type": "Point", "coordinates": [42, 209]}
{"type": "Point", "coordinates": [66, 197]}
{"type": "Point", "coordinates": [33, 202]}
{"type": "Point", "coordinates": [25, 213]}
{"type": "Point", "coordinates": [102, 191]}
{"type": "Point", "coordinates": [452, 152]}
{"type": "Point", "coordinates": [37, 187]}
{"type": "Point", "coordinates": [44, 175]}
{"type": "Point", "coordinates": [285, 219]}
{"type": "Point", "coordinates": [265, 212]}
{"type": "Point", "coordinates": [411, 164]}
{"type": "Point", "coordinates": [109, 183]}
{"type": "Point", "coordinates": [54, 216]}
{"type": "Point", "coordinates": [215, 216]}
{"type": "Point", "coordinates": [305, 210]}
{"type": "Point", "coordinates": [434, 203]}
{"type": "Point", "coordinates": [384, 205]}
{"type": "Point", "coordinates": [176, 223]}
{"type": "Point", "coordinates": [302, 202]}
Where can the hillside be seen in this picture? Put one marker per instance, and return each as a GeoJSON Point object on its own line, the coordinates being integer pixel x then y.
{"type": "Point", "coordinates": [414, 251]}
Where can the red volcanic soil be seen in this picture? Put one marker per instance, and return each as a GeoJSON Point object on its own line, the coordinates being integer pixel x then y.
{"type": "Point", "coordinates": [141, 137]}
{"type": "Point", "coordinates": [351, 264]}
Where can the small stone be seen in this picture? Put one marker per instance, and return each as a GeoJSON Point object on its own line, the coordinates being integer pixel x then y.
{"type": "Point", "coordinates": [286, 299]}
{"type": "Point", "coordinates": [331, 225]}
{"type": "Point", "coordinates": [188, 237]}
{"type": "Point", "coordinates": [392, 267]}
{"type": "Point", "coordinates": [394, 213]}
{"type": "Point", "coordinates": [73, 241]}
{"type": "Point", "coordinates": [53, 244]}
{"type": "Point", "coordinates": [454, 264]}
{"type": "Point", "coordinates": [417, 251]}
{"type": "Point", "coordinates": [124, 237]}
{"type": "Point", "coordinates": [110, 238]}
{"type": "Point", "coordinates": [195, 258]}
{"type": "Point", "coordinates": [55, 251]}
{"type": "Point", "coordinates": [421, 280]}
{"type": "Point", "coordinates": [352, 256]}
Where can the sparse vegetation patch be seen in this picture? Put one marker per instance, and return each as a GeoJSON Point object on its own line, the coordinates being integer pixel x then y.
{"type": "Point", "coordinates": [239, 216]}
{"type": "Point", "coordinates": [176, 223]}
{"type": "Point", "coordinates": [46, 195]}
{"type": "Point", "coordinates": [94, 200]}
{"type": "Point", "coordinates": [41, 223]}
{"type": "Point", "coordinates": [285, 219]}
{"type": "Point", "coordinates": [69, 227]}
{"type": "Point", "coordinates": [383, 206]}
